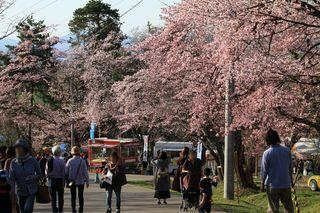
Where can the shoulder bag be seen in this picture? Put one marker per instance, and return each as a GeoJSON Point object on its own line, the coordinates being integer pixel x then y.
{"type": "Point", "coordinates": [70, 182]}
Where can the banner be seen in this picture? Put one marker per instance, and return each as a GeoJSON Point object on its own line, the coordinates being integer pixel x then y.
{"type": "Point", "coordinates": [199, 150]}
{"type": "Point", "coordinates": [145, 147]}
{"type": "Point", "coordinates": [92, 131]}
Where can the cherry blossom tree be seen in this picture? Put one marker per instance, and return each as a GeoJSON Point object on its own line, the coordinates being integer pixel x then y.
{"type": "Point", "coordinates": [104, 66]}
{"type": "Point", "coordinates": [263, 46]}
{"type": "Point", "coordinates": [181, 92]}
{"type": "Point", "coordinates": [25, 82]}
{"type": "Point", "coordinates": [276, 69]}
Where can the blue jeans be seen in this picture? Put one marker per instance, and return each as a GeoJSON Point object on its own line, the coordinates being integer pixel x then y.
{"type": "Point", "coordinates": [26, 203]}
{"type": "Point", "coordinates": [117, 191]}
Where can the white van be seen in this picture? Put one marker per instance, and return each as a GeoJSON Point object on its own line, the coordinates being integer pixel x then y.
{"type": "Point", "coordinates": [172, 148]}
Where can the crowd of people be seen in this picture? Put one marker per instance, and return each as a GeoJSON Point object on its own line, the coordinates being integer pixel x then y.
{"type": "Point", "coordinates": [191, 179]}
{"type": "Point", "coordinates": [21, 172]}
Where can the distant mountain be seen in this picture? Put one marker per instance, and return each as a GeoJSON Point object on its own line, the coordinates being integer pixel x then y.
{"type": "Point", "coordinates": [63, 45]}
{"type": "Point", "coordinates": [7, 41]}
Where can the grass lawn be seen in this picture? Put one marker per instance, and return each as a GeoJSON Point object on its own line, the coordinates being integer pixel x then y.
{"type": "Point", "coordinates": [252, 200]}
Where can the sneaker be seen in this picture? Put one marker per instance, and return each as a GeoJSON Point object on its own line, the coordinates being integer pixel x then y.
{"type": "Point", "coordinates": [109, 210]}
{"type": "Point", "coordinates": [165, 202]}
{"type": "Point", "coordinates": [159, 202]}
{"type": "Point", "coordinates": [117, 210]}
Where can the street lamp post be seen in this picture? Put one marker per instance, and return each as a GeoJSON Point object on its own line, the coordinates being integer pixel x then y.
{"type": "Point", "coordinates": [228, 143]}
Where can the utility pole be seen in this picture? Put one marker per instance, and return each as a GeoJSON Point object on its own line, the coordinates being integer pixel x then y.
{"type": "Point", "coordinates": [228, 143]}
{"type": "Point", "coordinates": [72, 105]}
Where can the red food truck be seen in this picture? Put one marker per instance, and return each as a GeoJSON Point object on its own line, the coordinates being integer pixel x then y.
{"type": "Point", "coordinates": [129, 150]}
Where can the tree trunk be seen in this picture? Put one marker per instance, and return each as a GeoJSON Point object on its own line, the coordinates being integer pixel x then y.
{"type": "Point", "coordinates": [244, 170]}
{"type": "Point", "coordinates": [217, 159]}
{"type": "Point", "coordinates": [30, 123]}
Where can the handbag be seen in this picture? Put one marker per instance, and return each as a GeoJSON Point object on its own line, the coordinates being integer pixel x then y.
{"type": "Point", "coordinates": [121, 178]}
{"type": "Point", "coordinates": [70, 182]}
{"type": "Point", "coordinates": [43, 195]}
{"type": "Point", "coordinates": [106, 182]}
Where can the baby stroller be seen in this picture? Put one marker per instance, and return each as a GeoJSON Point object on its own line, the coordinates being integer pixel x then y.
{"type": "Point", "coordinates": [190, 192]}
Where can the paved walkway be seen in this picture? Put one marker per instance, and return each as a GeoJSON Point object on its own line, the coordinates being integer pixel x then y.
{"type": "Point", "coordinates": [135, 199]}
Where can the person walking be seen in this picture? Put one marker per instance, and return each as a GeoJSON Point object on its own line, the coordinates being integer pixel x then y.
{"type": "Point", "coordinates": [206, 184]}
{"type": "Point", "coordinates": [178, 176]}
{"type": "Point", "coordinates": [25, 173]}
{"type": "Point", "coordinates": [192, 168]}
{"type": "Point", "coordinates": [77, 177]}
{"type": "Point", "coordinates": [43, 162]}
{"type": "Point", "coordinates": [115, 172]}
{"type": "Point", "coordinates": [10, 153]}
{"type": "Point", "coordinates": [55, 172]}
{"type": "Point", "coordinates": [276, 174]}
{"type": "Point", "coordinates": [5, 189]}
{"type": "Point", "coordinates": [162, 178]}
{"type": "Point", "coordinates": [3, 156]}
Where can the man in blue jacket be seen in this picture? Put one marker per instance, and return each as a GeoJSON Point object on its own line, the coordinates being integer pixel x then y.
{"type": "Point", "coordinates": [276, 174]}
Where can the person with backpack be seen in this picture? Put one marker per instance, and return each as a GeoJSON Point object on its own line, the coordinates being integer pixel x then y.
{"type": "Point", "coordinates": [55, 171]}
{"type": "Point", "coordinates": [77, 176]}
{"type": "Point", "coordinates": [162, 178]}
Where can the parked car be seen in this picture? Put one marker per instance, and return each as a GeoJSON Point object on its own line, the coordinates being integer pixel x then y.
{"type": "Point", "coordinates": [314, 182]}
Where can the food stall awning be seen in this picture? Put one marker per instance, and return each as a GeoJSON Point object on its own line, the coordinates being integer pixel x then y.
{"type": "Point", "coordinates": [102, 145]}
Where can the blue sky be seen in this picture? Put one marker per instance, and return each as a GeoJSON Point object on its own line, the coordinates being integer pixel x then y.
{"type": "Point", "coordinates": [57, 13]}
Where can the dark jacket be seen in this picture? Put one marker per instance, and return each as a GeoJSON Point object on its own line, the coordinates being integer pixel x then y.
{"type": "Point", "coordinates": [116, 172]}
{"type": "Point", "coordinates": [192, 179]}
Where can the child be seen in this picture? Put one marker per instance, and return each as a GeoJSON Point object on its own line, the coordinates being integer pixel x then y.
{"type": "Point", "coordinates": [5, 204]}
{"type": "Point", "coordinates": [206, 184]}
{"type": "Point", "coordinates": [99, 171]}
{"type": "Point", "coordinates": [97, 178]}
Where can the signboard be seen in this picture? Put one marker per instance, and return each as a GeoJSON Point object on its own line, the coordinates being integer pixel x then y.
{"type": "Point", "coordinates": [92, 130]}
{"type": "Point", "coordinates": [199, 150]}
{"type": "Point", "coordinates": [145, 147]}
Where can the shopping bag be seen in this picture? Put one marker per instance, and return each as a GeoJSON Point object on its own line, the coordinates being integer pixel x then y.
{"type": "Point", "coordinates": [43, 195]}
{"type": "Point", "coordinates": [109, 177]}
